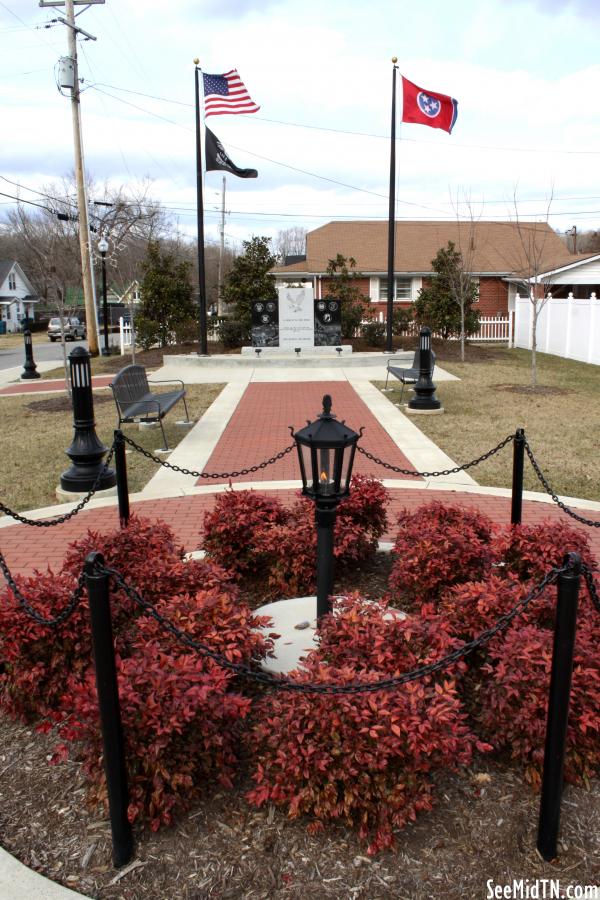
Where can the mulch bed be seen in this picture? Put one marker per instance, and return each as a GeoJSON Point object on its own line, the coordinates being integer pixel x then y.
{"type": "Point", "coordinates": [540, 390]}
{"type": "Point", "coordinates": [483, 827]}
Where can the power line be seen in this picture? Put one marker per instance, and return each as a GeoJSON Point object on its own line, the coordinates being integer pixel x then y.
{"type": "Point", "coordinates": [370, 134]}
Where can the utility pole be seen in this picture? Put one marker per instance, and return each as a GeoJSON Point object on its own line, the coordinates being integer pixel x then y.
{"type": "Point", "coordinates": [84, 223]}
{"type": "Point", "coordinates": [220, 310]}
{"type": "Point", "coordinates": [573, 232]}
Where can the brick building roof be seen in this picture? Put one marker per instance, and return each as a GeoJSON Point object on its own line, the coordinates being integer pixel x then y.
{"type": "Point", "coordinates": [488, 247]}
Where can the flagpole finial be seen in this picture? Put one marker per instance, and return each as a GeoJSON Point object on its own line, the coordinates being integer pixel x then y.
{"type": "Point", "coordinates": [196, 61]}
{"type": "Point", "coordinates": [394, 59]}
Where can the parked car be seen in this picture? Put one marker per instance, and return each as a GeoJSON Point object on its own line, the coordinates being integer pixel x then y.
{"type": "Point", "coordinates": [73, 329]}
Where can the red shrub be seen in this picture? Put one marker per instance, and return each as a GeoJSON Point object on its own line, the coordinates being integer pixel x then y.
{"type": "Point", "coordinates": [370, 636]}
{"type": "Point", "coordinates": [149, 558]}
{"type": "Point", "coordinates": [514, 700]}
{"type": "Point", "coordinates": [367, 758]}
{"type": "Point", "coordinates": [181, 716]}
{"type": "Point", "coordinates": [254, 536]}
{"type": "Point", "coordinates": [231, 527]}
{"type": "Point", "coordinates": [215, 618]}
{"type": "Point", "coordinates": [36, 658]}
{"type": "Point", "coordinates": [474, 606]}
{"type": "Point", "coordinates": [530, 551]}
{"type": "Point", "coordinates": [361, 519]}
{"type": "Point", "coordinates": [181, 724]}
{"type": "Point", "coordinates": [437, 546]}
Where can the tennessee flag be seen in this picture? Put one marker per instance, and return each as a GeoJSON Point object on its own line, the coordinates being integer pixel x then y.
{"type": "Point", "coordinates": [428, 107]}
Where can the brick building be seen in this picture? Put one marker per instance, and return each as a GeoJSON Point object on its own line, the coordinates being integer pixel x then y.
{"type": "Point", "coordinates": [493, 251]}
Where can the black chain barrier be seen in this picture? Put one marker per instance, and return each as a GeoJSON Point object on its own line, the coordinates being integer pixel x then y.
{"type": "Point", "coordinates": [548, 488]}
{"type": "Point", "coordinates": [48, 523]}
{"type": "Point", "coordinates": [69, 609]}
{"type": "Point", "coordinates": [284, 683]}
{"type": "Point", "coordinates": [287, 684]}
{"type": "Point", "coordinates": [454, 471]}
{"type": "Point", "coordinates": [215, 475]}
{"type": "Point", "coordinates": [588, 574]}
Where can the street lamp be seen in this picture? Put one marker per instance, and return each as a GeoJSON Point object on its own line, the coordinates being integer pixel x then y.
{"type": "Point", "coordinates": [326, 451]}
{"type": "Point", "coordinates": [103, 249]}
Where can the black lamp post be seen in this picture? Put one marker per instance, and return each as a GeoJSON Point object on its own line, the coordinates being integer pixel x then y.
{"type": "Point", "coordinates": [424, 390]}
{"type": "Point", "coordinates": [103, 249]}
{"type": "Point", "coordinates": [326, 451]}
{"type": "Point", "coordinates": [87, 450]}
{"type": "Point", "coordinates": [29, 366]}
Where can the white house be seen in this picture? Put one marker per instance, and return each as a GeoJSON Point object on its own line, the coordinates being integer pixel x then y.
{"type": "Point", "coordinates": [17, 297]}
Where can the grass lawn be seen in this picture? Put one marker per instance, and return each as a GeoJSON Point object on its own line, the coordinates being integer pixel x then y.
{"type": "Point", "coordinates": [561, 419]}
{"type": "Point", "coordinates": [39, 428]}
{"type": "Point", "coordinates": [10, 341]}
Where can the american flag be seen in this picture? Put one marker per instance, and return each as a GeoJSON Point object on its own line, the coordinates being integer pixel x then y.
{"type": "Point", "coordinates": [226, 95]}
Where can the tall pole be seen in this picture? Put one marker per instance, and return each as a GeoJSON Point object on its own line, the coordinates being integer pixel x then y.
{"type": "Point", "coordinates": [84, 225]}
{"type": "Point", "coordinates": [203, 349]}
{"type": "Point", "coordinates": [221, 249]}
{"type": "Point", "coordinates": [392, 215]}
{"type": "Point", "coordinates": [106, 348]}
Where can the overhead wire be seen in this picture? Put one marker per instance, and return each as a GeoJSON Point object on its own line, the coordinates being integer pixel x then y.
{"type": "Point", "coordinates": [386, 137]}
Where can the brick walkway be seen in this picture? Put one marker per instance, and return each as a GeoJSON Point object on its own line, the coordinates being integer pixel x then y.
{"type": "Point", "coordinates": [51, 386]}
{"type": "Point", "coordinates": [257, 430]}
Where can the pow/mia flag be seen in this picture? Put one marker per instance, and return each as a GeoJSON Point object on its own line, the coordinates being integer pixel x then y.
{"type": "Point", "coordinates": [216, 158]}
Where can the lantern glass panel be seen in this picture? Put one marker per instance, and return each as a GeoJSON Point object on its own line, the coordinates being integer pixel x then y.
{"type": "Point", "coordinates": [346, 468]}
{"type": "Point", "coordinates": [325, 472]}
{"type": "Point", "coordinates": [306, 473]}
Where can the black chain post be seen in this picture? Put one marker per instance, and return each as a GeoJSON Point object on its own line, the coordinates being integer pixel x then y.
{"type": "Point", "coordinates": [29, 366]}
{"type": "Point", "coordinates": [97, 582]}
{"type": "Point", "coordinates": [558, 705]}
{"type": "Point", "coordinates": [516, 506]}
{"type": "Point", "coordinates": [122, 486]}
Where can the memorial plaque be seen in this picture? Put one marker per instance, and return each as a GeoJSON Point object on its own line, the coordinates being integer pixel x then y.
{"type": "Point", "coordinates": [328, 322]}
{"type": "Point", "coordinates": [296, 318]}
{"type": "Point", "coordinates": [265, 323]}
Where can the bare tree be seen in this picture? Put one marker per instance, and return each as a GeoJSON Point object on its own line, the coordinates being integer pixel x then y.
{"type": "Point", "coordinates": [534, 270]}
{"type": "Point", "coordinates": [463, 288]}
{"type": "Point", "coordinates": [291, 242]}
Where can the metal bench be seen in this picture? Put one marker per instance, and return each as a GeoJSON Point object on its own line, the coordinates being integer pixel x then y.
{"type": "Point", "coordinates": [136, 402]}
{"type": "Point", "coordinates": [408, 376]}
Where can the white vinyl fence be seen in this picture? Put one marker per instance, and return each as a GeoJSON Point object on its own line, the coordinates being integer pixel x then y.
{"type": "Point", "coordinates": [565, 327]}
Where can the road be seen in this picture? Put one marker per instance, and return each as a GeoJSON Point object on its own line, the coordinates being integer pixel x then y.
{"type": "Point", "coordinates": [45, 352]}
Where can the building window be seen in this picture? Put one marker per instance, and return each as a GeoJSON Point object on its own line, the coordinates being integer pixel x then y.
{"type": "Point", "coordinates": [12, 282]}
{"type": "Point", "coordinates": [402, 289]}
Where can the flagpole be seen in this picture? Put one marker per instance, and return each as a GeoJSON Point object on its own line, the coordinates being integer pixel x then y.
{"type": "Point", "coordinates": [203, 348]}
{"type": "Point", "coordinates": [392, 215]}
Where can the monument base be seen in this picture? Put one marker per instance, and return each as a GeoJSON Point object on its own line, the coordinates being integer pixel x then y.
{"type": "Point", "coordinates": [291, 353]}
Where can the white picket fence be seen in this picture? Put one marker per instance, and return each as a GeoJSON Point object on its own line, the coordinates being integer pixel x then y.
{"type": "Point", "coordinates": [125, 335]}
{"type": "Point", "coordinates": [490, 329]}
{"type": "Point", "coordinates": [565, 327]}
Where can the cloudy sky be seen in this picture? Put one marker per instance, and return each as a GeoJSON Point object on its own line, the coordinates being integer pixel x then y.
{"type": "Point", "coordinates": [526, 74]}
